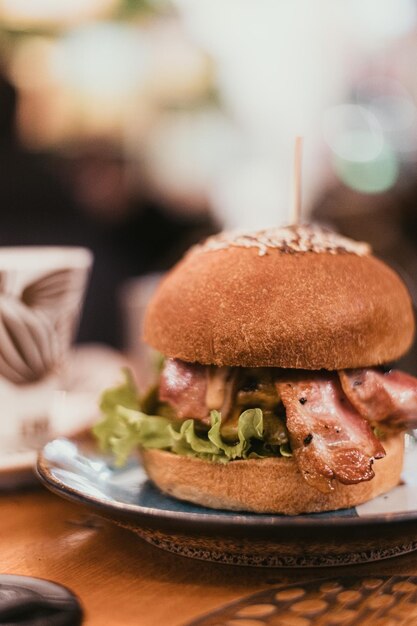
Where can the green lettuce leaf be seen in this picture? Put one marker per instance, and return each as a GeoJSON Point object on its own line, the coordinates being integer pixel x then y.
{"type": "Point", "coordinates": [125, 394]}
{"type": "Point", "coordinates": [125, 427]}
{"type": "Point", "coordinates": [211, 445]}
{"type": "Point", "coordinates": [123, 431]}
{"type": "Point", "coordinates": [250, 425]}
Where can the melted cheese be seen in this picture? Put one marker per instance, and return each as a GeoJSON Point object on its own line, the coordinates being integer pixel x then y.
{"type": "Point", "coordinates": [216, 388]}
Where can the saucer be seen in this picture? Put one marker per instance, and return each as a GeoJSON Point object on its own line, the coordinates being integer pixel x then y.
{"type": "Point", "coordinates": [73, 409]}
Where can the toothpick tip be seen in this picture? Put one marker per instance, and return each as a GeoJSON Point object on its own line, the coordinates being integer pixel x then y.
{"type": "Point", "coordinates": [296, 198]}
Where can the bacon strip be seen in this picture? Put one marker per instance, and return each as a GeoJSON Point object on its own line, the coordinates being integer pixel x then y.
{"type": "Point", "coordinates": [184, 387]}
{"type": "Point", "coordinates": [389, 397]}
{"type": "Point", "coordinates": [194, 390]}
{"type": "Point", "coordinates": [329, 439]}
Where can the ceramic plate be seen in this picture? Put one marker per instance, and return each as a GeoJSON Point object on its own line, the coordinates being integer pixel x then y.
{"type": "Point", "coordinates": [382, 528]}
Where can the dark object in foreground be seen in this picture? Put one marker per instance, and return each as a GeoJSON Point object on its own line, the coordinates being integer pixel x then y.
{"type": "Point", "coordinates": [37, 602]}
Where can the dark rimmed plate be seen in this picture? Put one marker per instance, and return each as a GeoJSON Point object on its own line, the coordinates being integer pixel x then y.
{"type": "Point", "coordinates": [382, 528]}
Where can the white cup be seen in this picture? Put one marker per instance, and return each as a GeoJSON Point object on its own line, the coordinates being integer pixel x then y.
{"type": "Point", "coordinates": [41, 295]}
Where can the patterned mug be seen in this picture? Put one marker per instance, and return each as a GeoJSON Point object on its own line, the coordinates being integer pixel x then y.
{"type": "Point", "coordinates": [41, 295]}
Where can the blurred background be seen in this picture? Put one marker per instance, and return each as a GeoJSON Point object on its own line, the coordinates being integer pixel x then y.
{"type": "Point", "coordinates": [137, 127]}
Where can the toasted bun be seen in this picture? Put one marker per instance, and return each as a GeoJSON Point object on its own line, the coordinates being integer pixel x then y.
{"type": "Point", "coordinates": [311, 309]}
{"type": "Point", "coordinates": [273, 485]}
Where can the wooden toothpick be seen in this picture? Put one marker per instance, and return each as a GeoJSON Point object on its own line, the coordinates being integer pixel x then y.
{"type": "Point", "coordinates": [296, 189]}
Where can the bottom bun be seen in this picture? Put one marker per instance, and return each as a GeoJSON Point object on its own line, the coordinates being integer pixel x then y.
{"type": "Point", "coordinates": [272, 485]}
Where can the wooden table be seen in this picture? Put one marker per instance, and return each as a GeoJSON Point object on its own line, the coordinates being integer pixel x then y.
{"type": "Point", "coordinates": [122, 580]}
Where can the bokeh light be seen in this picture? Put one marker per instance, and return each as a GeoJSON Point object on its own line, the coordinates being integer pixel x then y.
{"type": "Point", "coordinates": [362, 157]}
{"type": "Point", "coordinates": [353, 132]}
{"type": "Point", "coordinates": [395, 110]}
{"type": "Point", "coordinates": [104, 59]}
{"type": "Point", "coordinates": [32, 13]}
{"type": "Point", "coordinates": [373, 176]}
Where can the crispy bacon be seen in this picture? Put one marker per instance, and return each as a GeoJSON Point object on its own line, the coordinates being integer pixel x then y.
{"type": "Point", "coordinates": [329, 439]}
{"type": "Point", "coordinates": [328, 415]}
{"type": "Point", "coordinates": [194, 390]}
{"type": "Point", "coordinates": [390, 398]}
{"type": "Point", "coordinates": [184, 387]}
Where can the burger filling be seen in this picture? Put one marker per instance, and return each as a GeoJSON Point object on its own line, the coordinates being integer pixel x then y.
{"type": "Point", "coordinates": [333, 424]}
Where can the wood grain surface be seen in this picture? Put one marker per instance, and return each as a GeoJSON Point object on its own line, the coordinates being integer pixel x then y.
{"type": "Point", "coordinates": [121, 580]}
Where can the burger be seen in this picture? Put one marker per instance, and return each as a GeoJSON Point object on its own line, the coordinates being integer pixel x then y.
{"type": "Point", "coordinates": [275, 394]}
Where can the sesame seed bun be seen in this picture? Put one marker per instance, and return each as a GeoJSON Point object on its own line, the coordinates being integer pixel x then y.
{"type": "Point", "coordinates": [284, 307]}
